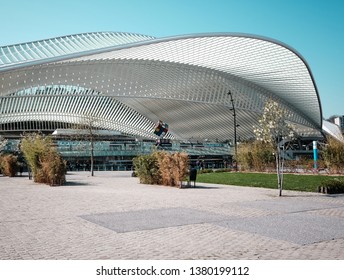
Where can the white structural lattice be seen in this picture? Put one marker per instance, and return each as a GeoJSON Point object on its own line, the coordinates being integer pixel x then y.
{"type": "Point", "coordinates": [129, 81]}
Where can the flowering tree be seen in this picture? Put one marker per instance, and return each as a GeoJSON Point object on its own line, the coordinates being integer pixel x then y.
{"type": "Point", "coordinates": [274, 130]}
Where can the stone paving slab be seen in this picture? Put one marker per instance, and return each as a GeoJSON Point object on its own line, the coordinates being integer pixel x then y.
{"type": "Point", "coordinates": [151, 219]}
{"type": "Point", "coordinates": [299, 228]}
{"type": "Point", "coordinates": [209, 222]}
{"type": "Point", "coordinates": [289, 205]}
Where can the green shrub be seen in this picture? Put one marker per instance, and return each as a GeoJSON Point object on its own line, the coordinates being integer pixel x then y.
{"type": "Point", "coordinates": [255, 156]}
{"type": "Point", "coordinates": [42, 157]}
{"type": "Point", "coordinates": [244, 157]}
{"type": "Point", "coordinates": [147, 168]}
{"type": "Point", "coordinates": [333, 155]}
{"type": "Point", "coordinates": [9, 165]}
{"type": "Point", "coordinates": [222, 170]}
{"type": "Point", "coordinates": [332, 186]}
{"type": "Point", "coordinates": [202, 171]}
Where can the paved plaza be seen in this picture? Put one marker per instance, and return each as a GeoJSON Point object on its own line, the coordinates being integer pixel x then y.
{"type": "Point", "coordinates": [112, 216]}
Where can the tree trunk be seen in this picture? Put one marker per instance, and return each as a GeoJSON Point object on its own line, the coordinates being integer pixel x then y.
{"type": "Point", "coordinates": [279, 171]}
{"type": "Point", "coordinates": [92, 156]}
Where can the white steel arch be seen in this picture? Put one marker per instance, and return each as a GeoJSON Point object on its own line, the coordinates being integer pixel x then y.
{"type": "Point", "coordinates": [182, 80]}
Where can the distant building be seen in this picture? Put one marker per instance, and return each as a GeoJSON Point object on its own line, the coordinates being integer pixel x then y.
{"type": "Point", "coordinates": [340, 122]}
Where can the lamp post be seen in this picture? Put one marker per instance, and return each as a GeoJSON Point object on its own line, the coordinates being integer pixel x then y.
{"type": "Point", "coordinates": [235, 129]}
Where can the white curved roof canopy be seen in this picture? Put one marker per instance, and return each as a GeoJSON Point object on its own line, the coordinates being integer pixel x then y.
{"type": "Point", "coordinates": [128, 82]}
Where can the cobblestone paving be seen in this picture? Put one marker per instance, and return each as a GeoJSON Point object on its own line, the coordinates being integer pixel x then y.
{"type": "Point", "coordinates": [206, 222]}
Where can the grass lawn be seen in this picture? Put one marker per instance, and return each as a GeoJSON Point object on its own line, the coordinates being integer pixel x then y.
{"type": "Point", "coordinates": [297, 182]}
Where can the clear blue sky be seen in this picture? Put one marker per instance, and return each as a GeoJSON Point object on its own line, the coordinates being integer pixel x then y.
{"type": "Point", "coordinates": [314, 28]}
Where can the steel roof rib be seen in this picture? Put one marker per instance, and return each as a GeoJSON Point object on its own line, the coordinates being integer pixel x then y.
{"type": "Point", "coordinates": [129, 81]}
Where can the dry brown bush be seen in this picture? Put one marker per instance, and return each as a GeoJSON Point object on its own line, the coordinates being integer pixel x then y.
{"type": "Point", "coordinates": [181, 167]}
{"type": "Point", "coordinates": [9, 165]}
{"type": "Point", "coordinates": [165, 162]}
{"type": "Point", "coordinates": [162, 168]}
{"type": "Point", "coordinates": [173, 168]}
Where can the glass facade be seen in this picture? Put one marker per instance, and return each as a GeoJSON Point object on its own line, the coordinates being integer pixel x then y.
{"type": "Point", "coordinates": [117, 153]}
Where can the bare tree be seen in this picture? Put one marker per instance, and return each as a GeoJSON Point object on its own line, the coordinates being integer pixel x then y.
{"type": "Point", "coordinates": [86, 131]}
{"type": "Point", "coordinates": [274, 130]}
